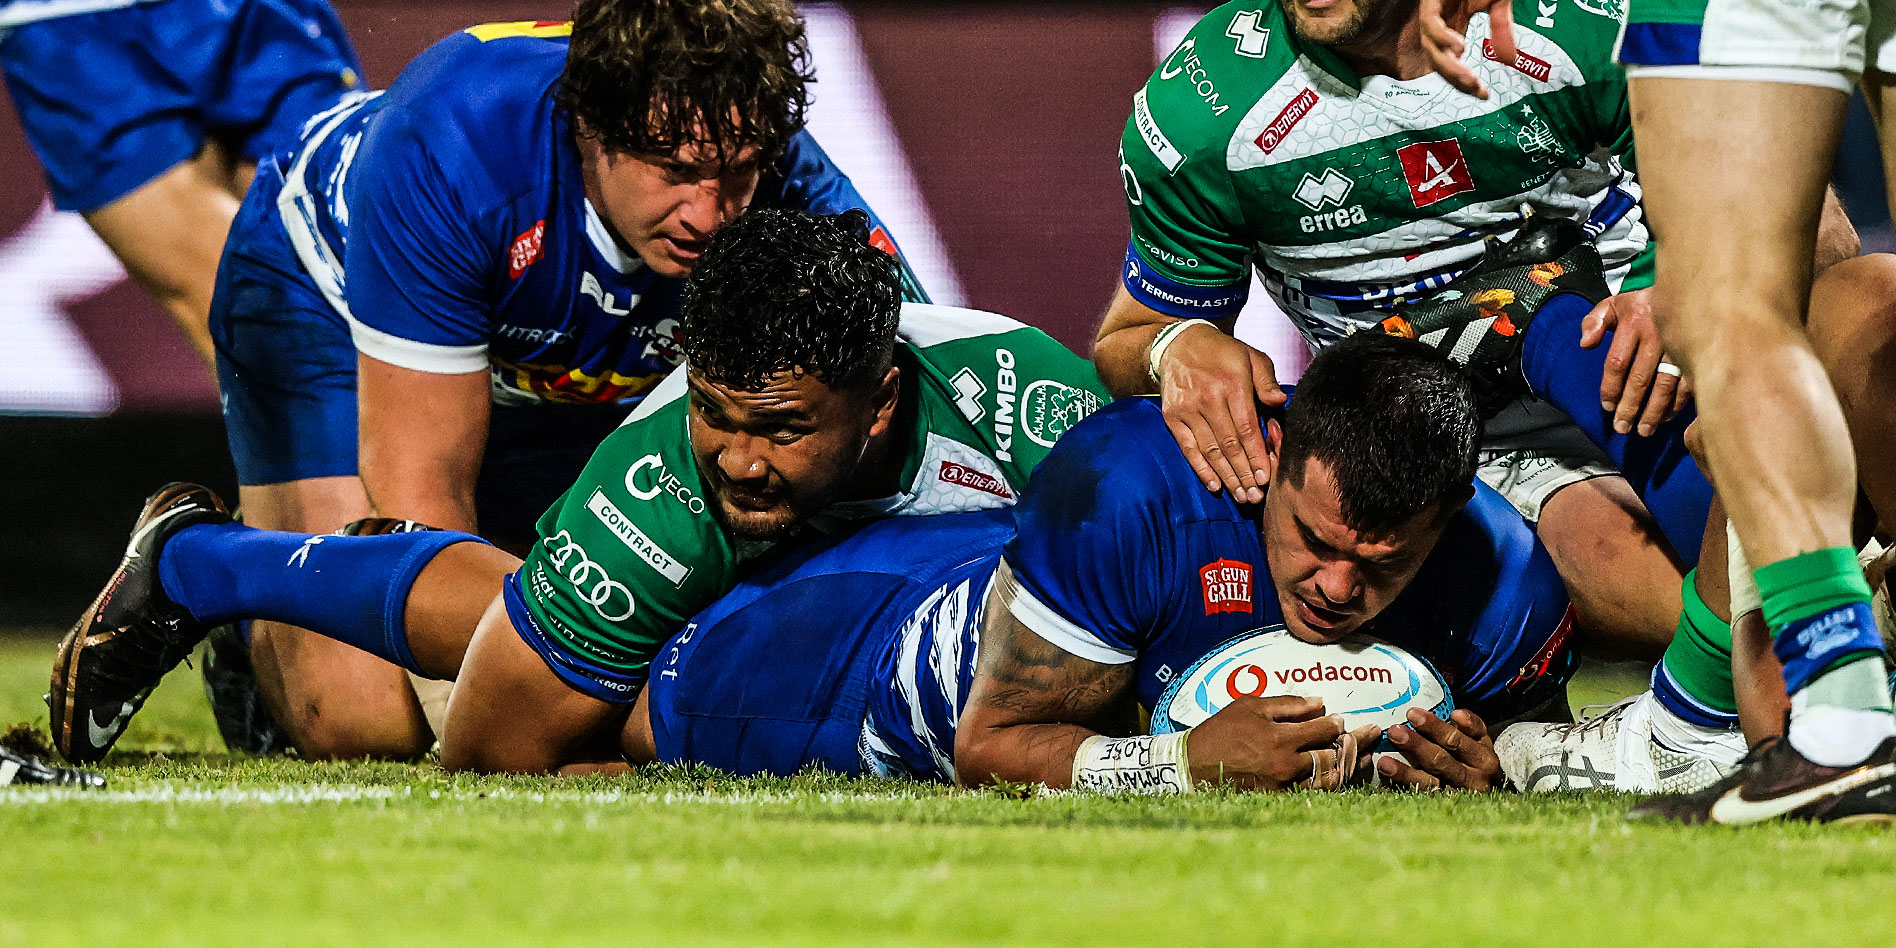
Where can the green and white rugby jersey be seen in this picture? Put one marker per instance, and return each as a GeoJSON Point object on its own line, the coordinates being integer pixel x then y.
{"type": "Point", "coordinates": [1250, 146]}
{"type": "Point", "coordinates": [632, 551]}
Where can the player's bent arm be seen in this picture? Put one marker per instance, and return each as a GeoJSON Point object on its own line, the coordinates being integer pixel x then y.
{"type": "Point", "coordinates": [421, 437]}
{"type": "Point", "coordinates": [1037, 713]}
{"type": "Point", "coordinates": [1032, 704]}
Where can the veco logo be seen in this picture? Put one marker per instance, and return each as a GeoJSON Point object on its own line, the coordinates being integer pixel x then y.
{"type": "Point", "coordinates": [1227, 586]}
{"type": "Point", "coordinates": [1435, 170]}
{"type": "Point", "coordinates": [527, 249]}
{"type": "Point", "coordinates": [1317, 193]}
{"type": "Point", "coordinates": [648, 486]}
{"type": "Point", "coordinates": [636, 540]}
{"type": "Point", "coordinates": [1286, 120]}
{"type": "Point", "coordinates": [1155, 139]}
{"type": "Point", "coordinates": [1194, 72]}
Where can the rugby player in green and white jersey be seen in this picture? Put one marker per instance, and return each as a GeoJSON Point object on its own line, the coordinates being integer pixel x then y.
{"type": "Point", "coordinates": [1309, 140]}
{"type": "Point", "coordinates": [1329, 158]}
{"type": "Point", "coordinates": [803, 404]}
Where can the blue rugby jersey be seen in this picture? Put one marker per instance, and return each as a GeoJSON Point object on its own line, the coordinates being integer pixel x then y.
{"type": "Point", "coordinates": [1122, 556]}
{"type": "Point", "coordinates": [446, 220]}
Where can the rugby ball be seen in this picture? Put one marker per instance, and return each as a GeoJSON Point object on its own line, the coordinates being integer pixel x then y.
{"type": "Point", "coordinates": [1362, 678]}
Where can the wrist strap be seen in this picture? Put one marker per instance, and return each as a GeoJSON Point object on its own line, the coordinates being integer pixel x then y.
{"type": "Point", "coordinates": [1164, 339]}
{"type": "Point", "coordinates": [1148, 764]}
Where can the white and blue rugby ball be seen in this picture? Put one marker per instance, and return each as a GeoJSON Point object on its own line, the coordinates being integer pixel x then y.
{"type": "Point", "coordinates": [1362, 678]}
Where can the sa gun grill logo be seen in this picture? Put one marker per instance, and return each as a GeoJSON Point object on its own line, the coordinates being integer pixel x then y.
{"type": "Point", "coordinates": [1227, 586]}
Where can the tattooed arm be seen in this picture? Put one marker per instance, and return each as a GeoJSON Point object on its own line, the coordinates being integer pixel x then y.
{"type": "Point", "coordinates": [1032, 704]}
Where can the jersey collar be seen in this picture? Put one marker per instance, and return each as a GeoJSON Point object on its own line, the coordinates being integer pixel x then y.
{"type": "Point", "coordinates": [602, 241]}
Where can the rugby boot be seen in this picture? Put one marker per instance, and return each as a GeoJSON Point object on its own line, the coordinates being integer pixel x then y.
{"type": "Point", "coordinates": [131, 636]}
{"type": "Point", "coordinates": [1776, 782]}
{"type": "Point", "coordinates": [1480, 318]}
{"type": "Point", "coordinates": [1616, 749]}
{"type": "Point", "coordinates": [230, 681]}
{"type": "Point", "coordinates": [24, 769]}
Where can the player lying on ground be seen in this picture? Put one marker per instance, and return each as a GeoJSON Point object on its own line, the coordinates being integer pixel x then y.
{"type": "Point", "coordinates": [1310, 143]}
{"type": "Point", "coordinates": [1665, 738]}
{"type": "Point", "coordinates": [1018, 645]}
{"type": "Point", "coordinates": [150, 117]}
{"type": "Point", "coordinates": [455, 289]}
{"type": "Point", "coordinates": [803, 406]}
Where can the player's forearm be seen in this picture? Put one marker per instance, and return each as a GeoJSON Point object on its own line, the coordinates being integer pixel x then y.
{"type": "Point", "coordinates": [1122, 349]}
{"type": "Point", "coordinates": [1021, 753]}
{"type": "Point", "coordinates": [421, 439]}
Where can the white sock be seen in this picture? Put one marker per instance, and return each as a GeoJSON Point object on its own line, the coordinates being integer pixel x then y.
{"type": "Point", "coordinates": [1837, 737]}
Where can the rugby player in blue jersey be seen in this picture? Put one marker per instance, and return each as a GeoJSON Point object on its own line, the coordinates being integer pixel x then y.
{"type": "Point", "coordinates": [150, 117]}
{"type": "Point", "coordinates": [1095, 599]}
{"type": "Point", "coordinates": [437, 305]}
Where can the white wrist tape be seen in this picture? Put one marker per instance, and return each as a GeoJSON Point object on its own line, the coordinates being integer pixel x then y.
{"type": "Point", "coordinates": [1150, 764]}
{"type": "Point", "coordinates": [1744, 587]}
{"type": "Point", "coordinates": [1163, 341]}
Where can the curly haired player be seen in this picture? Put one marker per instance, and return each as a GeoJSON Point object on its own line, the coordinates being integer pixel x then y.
{"type": "Point", "coordinates": [441, 300]}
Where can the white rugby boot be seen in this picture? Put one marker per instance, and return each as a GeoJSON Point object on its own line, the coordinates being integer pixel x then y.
{"type": "Point", "coordinates": [1634, 746]}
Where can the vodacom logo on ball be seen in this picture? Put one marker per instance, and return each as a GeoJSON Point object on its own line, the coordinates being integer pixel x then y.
{"type": "Point", "coordinates": [1247, 681]}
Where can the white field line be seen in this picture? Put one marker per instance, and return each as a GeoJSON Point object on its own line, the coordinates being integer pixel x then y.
{"type": "Point", "coordinates": [350, 793]}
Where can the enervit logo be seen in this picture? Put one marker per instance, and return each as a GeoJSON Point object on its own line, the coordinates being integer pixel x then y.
{"type": "Point", "coordinates": [1293, 112]}
{"type": "Point", "coordinates": [962, 475]}
{"type": "Point", "coordinates": [1531, 66]}
{"type": "Point", "coordinates": [527, 249]}
{"type": "Point", "coordinates": [647, 478]}
{"type": "Point", "coordinates": [591, 584]}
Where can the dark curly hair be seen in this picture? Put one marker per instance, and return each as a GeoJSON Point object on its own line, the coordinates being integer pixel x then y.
{"type": "Point", "coordinates": [785, 291]}
{"type": "Point", "coordinates": [652, 76]}
{"type": "Point", "coordinates": [1395, 422]}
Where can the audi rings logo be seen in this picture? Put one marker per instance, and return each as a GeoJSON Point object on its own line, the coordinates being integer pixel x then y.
{"type": "Point", "coordinates": [591, 583]}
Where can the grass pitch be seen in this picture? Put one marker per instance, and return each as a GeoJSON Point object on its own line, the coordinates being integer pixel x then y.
{"type": "Point", "coordinates": [191, 845]}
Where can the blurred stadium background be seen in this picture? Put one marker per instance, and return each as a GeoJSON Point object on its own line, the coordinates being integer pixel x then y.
{"type": "Point", "coordinates": [985, 132]}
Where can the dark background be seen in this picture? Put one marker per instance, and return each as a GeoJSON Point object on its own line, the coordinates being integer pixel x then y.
{"type": "Point", "coordinates": [1009, 116]}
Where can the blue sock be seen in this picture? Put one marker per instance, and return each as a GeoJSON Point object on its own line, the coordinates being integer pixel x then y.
{"type": "Point", "coordinates": [1660, 469]}
{"type": "Point", "coordinates": [351, 589]}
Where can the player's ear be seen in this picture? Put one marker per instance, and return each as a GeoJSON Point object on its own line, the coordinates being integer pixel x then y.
{"type": "Point", "coordinates": [888, 391]}
{"type": "Point", "coordinates": [1273, 446]}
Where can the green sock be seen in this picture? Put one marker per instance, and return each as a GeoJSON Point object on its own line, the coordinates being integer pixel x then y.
{"type": "Point", "coordinates": [1808, 584]}
{"type": "Point", "coordinates": [1817, 605]}
{"type": "Point", "coordinates": [1693, 680]}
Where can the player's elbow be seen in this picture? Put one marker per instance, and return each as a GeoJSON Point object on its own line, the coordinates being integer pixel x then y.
{"type": "Point", "coordinates": [980, 757]}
